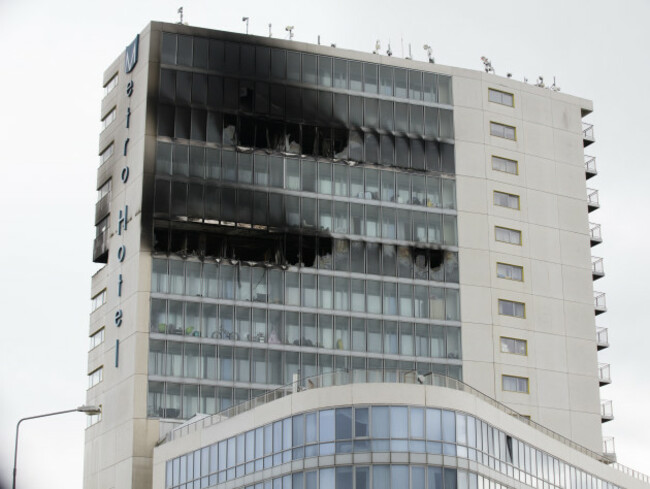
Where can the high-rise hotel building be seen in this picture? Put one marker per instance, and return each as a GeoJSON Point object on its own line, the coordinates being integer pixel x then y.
{"type": "Point", "coordinates": [378, 271]}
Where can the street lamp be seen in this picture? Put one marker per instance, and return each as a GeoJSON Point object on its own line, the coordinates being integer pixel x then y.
{"type": "Point", "coordinates": [88, 410]}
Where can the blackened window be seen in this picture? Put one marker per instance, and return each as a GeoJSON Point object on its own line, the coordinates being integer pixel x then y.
{"type": "Point", "coordinates": [168, 55]}
{"type": "Point", "coordinates": [262, 61]}
{"type": "Point", "coordinates": [185, 50]}
{"type": "Point", "coordinates": [200, 52]}
{"type": "Point", "coordinates": [232, 57]}
{"type": "Point", "coordinates": [293, 66]}
{"type": "Point", "coordinates": [278, 64]}
{"type": "Point", "coordinates": [247, 59]}
{"type": "Point", "coordinates": [216, 55]}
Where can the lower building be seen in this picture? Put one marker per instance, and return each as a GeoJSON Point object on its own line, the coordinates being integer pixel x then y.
{"type": "Point", "coordinates": [339, 431]}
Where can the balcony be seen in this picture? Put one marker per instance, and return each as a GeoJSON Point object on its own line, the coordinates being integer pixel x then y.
{"type": "Point", "coordinates": [600, 304]}
{"type": "Point", "coordinates": [602, 338]}
{"type": "Point", "coordinates": [606, 411]}
{"type": "Point", "coordinates": [597, 268]}
{"type": "Point", "coordinates": [595, 234]}
{"type": "Point", "coordinates": [609, 451]}
{"type": "Point", "coordinates": [100, 248]}
{"type": "Point", "coordinates": [102, 207]}
{"type": "Point", "coordinates": [590, 167]}
{"type": "Point", "coordinates": [604, 377]}
{"type": "Point", "coordinates": [593, 202]}
{"type": "Point", "coordinates": [587, 134]}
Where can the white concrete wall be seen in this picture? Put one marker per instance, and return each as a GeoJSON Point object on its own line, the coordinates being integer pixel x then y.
{"type": "Point", "coordinates": [119, 448]}
{"type": "Point", "coordinates": [557, 289]}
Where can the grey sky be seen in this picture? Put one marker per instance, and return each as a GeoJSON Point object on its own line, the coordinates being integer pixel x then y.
{"type": "Point", "coordinates": [54, 54]}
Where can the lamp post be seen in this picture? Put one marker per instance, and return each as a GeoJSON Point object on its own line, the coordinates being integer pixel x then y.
{"type": "Point", "coordinates": [88, 410]}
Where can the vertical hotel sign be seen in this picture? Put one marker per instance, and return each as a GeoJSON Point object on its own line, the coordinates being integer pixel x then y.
{"type": "Point", "coordinates": [130, 60]}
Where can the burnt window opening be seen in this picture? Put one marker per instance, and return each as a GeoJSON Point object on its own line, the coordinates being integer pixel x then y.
{"type": "Point", "coordinates": [229, 130]}
{"type": "Point", "coordinates": [436, 270]}
{"type": "Point", "coordinates": [247, 132]}
{"type": "Point", "coordinates": [325, 253]}
{"type": "Point", "coordinates": [161, 240]}
{"type": "Point", "coordinates": [246, 96]}
{"type": "Point", "coordinates": [308, 255]}
{"type": "Point", "coordinates": [292, 249]}
{"type": "Point", "coordinates": [322, 252]}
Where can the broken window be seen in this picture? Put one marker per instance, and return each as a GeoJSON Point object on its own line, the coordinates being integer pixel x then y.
{"type": "Point", "coordinates": [247, 132]}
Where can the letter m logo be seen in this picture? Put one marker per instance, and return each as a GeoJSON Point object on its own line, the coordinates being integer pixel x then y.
{"type": "Point", "coordinates": [131, 55]}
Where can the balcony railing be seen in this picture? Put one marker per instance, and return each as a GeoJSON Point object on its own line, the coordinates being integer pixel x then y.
{"type": "Point", "coordinates": [609, 451]}
{"type": "Point", "coordinates": [587, 134]}
{"type": "Point", "coordinates": [597, 268]}
{"type": "Point", "coordinates": [595, 234]}
{"type": "Point", "coordinates": [360, 376]}
{"type": "Point", "coordinates": [606, 410]}
{"type": "Point", "coordinates": [604, 376]}
{"type": "Point", "coordinates": [593, 202]}
{"type": "Point", "coordinates": [600, 304]}
{"type": "Point", "coordinates": [590, 166]}
{"type": "Point", "coordinates": [602, 338]}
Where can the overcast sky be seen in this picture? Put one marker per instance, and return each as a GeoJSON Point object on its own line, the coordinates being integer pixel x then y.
{"type": "Point", "coordinates": [53, 58]}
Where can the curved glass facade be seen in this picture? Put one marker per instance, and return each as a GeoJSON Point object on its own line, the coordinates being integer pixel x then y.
{"type": "Point", "coordinates": [376, 429]}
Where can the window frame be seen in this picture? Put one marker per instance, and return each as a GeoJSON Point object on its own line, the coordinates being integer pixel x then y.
{"type": "Point", "coordinates": [521, 239]}
{"type": "Point", "coordinates": [516, 162]}
{"type": "Point", "coordinates": [508, 301]}
{"type": "Point", "coordinates": [109, 118]}
{"type": "Point", "coordinates": [525, 343]}
{"type": "Point", "coordinates": [508, 196]}
{"type": "Point", "coordinates": [502, 125]}
{"type": "Point", "coordinates": [109, 150]}
{"type": "Point", "coordinates": [510, 265]}
{"type": "Point", "coordinates": [518, 378]}
{"type": "Point", "coordinates": [94, 343]}
{"type": "Point", "coordinates": [104, 189]}
{"type": "Point", "coordinates": [95, 299]}
{"type": "Point", "coordinates": [95, 377]}
{"type": "Point", "coordinates": [501, 93]}
{"type": "Point", "coordinates": [111, 84]}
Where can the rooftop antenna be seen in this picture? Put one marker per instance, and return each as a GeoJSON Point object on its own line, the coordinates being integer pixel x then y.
{"type": "Point", "coordinates": [180, 12]}
{"type": "Point", "coordinates": [245, 19]}
{"type": "Point", "coordinates": [540, 82]}
{"type": "Point", "coordinates": [401, 39]}
{"type": "Point", "coordinates": [270, 29]}
{"type": "Point", "coordinates": [377, 47]}
{"type": "Point", "coordinates": [429, 51]}
{"type": "Point", "coordinates": [289, 29]}
{"type": "Point", "coordinates": [410, 56]}
{"type": "Point", "coordinates": [319, 39]}
{"type": "Point", "coordinates": [388, 51]}
{"type": "Point", "coordinates": [554, 87]}
{"type": "Point", "coordinates": [525, 80]}
{"type": "Point", "coordinates": [487, 64]}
